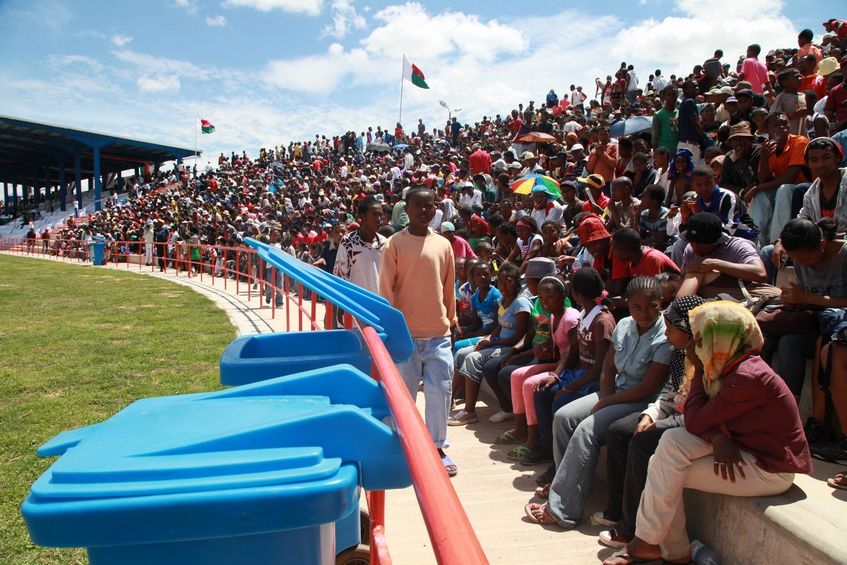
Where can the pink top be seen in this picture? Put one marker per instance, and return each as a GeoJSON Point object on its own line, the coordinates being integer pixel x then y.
{"type": "Point", "coordinates": [461, 248]}
{"type": "Point", "coordinates": [756, 73]}
{"type": "Point", "coordinates": [561, 339]}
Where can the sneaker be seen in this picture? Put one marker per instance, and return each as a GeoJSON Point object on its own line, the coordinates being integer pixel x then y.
{"type": "Point", "coordinates": [501, 417]}
{"type": "Point", "coordinates": [600, 519]}
{"type": "Point", "coordinates": [833, 452]}
{"type": "Point", "coordinates": [462, 418]}
{"type": "Point", "coordinates": [610, 538]}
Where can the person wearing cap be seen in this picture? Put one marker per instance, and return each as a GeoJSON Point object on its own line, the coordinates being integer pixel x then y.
{"type": "Point", "coordinates": [576, 155]}
{"type": "Point", "coordinates": [597, 240]}
{"type": "Point", "coordinates": [714, 263]}
{"type": "Point", "coordinates": [741, 165]}
{"type": "Point", "coordinates": [596, 201]}
{"type": "Point", "coordinates": [835, 108]}
{"type": "Point", "coordinates": [469, 196]}
{"type": "Point", "coordinates": [461, 248]}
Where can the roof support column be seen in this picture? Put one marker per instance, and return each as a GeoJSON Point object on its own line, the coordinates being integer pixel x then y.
{"type": "Point", "coordinates": [78, 178]}
{"type": "Point", "coordinates": [6, 197]}
{"type": "Point", "coordinates": [63, 187]}
{"type": "Point", "coordinates": [47, 192]}
{"type": "Point", "coordinates": [98, 205]}
{"type": "Point", "coordinates": [36, 191]}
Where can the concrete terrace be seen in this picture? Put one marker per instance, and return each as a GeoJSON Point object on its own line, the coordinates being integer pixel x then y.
{"type": "Point", "coordinates": [803, 526]}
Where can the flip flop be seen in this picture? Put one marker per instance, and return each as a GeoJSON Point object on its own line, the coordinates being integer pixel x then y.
{"type": "Point", "coordinates": [506, 438]}
{"type": "Point", "coordinates": [451, 468]}
{"type": "Point", "coordinates": [518, 453]}
{"type": "Point", "coordinates": [838, 481]}
{"type": "Point", "coordinates": [624, 554]}
{"type": "Point", "coordinates": [545, 520]}
{"type": "Point", "coordinates": [543, 492]}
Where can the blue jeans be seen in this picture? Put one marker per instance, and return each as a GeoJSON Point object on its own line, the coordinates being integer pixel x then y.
{"type": "Point", "coordinates": [546, 405]}
{"type": "Point", "coordinates": [432, 361]}
{"type": "Point", "coordinates": [577, 437]}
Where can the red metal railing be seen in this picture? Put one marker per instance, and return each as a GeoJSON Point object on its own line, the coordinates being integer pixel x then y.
{"type": "Point", "coordinates": [453, 538]}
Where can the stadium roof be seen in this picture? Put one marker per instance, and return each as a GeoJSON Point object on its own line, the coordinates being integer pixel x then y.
{"type": "Point", "coordinates": [34, 150]}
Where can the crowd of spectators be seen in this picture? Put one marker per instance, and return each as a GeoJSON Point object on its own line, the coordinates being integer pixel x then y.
{"type": "Point", "coordinates": [663, 300]}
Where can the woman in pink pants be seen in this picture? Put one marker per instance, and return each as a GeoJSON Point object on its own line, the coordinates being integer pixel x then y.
{"type": "Point", "coordinates": [551, 293]}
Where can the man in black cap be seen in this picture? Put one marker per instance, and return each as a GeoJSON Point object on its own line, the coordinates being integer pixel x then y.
{"type": "Point", "coordinates": [714, 263]}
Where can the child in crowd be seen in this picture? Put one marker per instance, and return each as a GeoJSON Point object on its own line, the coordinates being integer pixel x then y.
{"type": "Point", "coordinates": [582, 367]}
{"type": "Point", "coordinates": [474, 361]}
{"type": "Point", "coordinates": [552, 296]}
{"type": "Point", "coordinates": [634, 370]}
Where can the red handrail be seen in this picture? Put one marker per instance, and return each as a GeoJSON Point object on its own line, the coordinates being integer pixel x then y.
{"type": "Point", "coordinates": [452, 535]}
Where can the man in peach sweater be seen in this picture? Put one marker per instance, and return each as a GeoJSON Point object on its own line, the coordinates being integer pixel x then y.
{"type": "Point", "coordinates": [417, 276]}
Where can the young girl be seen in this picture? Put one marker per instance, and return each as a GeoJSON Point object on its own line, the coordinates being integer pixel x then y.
{"type": "Point", "coordinates": [474, 361]}
{"type": "Point", "coordinates": [524, 380]}
{"type": "Point", "coordinates": [578, 373]}
{"type": "Point", "coordinates": [634, 370]}
{"type": "Point", "coordinates": [680, 175]}
{"type": "Point", "coordinates": [483, 303]}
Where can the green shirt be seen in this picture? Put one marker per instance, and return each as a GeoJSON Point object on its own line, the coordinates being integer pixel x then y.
{"type": "Point", "coordinates": [666, 129]}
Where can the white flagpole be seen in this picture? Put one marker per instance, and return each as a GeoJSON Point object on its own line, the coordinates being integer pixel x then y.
{"type": "Point", "coordinates": [402, 80]}
{"type": "Point", "coordinates": [196, 119]}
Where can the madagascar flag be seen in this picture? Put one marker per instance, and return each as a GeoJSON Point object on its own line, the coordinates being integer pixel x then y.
{"type": "Point", "coordinates": [413, 74]}
{"type": "Point", "coordinates": [206, 126]}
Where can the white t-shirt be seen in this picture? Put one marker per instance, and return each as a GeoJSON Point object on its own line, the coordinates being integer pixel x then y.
{"type": "Point", "coordinates": [577, 97]}
{"type": "Point", "coordinates": [633, 81]}
{"type": "Point", "coordinates": [358, 261]}
{"type": "Point", "coordinates": [553, 215]}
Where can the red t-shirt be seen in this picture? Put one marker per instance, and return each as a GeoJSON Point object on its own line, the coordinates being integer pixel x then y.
{"type": "Point", "coordinates": [611, 268]}
{"type": "Point", "coordinates": [515, 126]}
{"type": "Point", "coordinates": [837, 102]}
{"type": "Point", "coordinates": [480, 162]}
{"type": "Point", "coordinates": [478, 227]}
{"type": "Point", "coordinates": [653, 262]}
{"type": "Point", "coordinates": [815, 83]}
{"type": "Point", "coordinates": [602, 202]}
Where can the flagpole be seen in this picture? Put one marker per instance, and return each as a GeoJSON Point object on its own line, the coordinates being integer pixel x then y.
{"type": "Point", "coordinates": [402, 73]}
{"type": "Point", "coordinates": [196, 119]}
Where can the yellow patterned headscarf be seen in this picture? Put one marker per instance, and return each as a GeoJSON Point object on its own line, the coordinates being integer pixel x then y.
{"type": "Point", "coordinates": [724, 332]}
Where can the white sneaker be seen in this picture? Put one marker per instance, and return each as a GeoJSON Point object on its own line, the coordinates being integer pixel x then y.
{"type": "Point", "coordinates": [599, 519]}
{"type": "Point", "coordinates": [500, 417]}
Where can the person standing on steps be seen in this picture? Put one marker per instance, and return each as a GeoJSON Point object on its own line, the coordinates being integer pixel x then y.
{"type": "Point", "coordinates": [417, 276]}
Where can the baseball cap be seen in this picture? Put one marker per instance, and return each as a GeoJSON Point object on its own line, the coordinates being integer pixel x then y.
{"type": "Point", "coordinates": [527, 155]}
{"type": "Point", "coordinates": [447, 227]}
{"type": "Point", "coordinates": [705, 228]}
{"type": "Point", "coordinates": [577, 147]}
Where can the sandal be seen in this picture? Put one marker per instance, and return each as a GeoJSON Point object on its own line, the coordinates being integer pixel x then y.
{"type": "Point", "coordinates": [543, 491]}
{"type": "Point", "coordinates": [538, 514]}
{"type": "Point", "coordinates": [462, 418]}
{"type": "Point", "coordinates": [536, 456]}
{"type": "Point", "coordinates": [517, 453]}
{"type": "Point", "coordinates": [623, 557]}
{"type": "Point", "coordinates": [449, 466]}
{"type": "Point", "coordinates": [507, 438]}
{"type": "Point", "coordinates": [838, 481]}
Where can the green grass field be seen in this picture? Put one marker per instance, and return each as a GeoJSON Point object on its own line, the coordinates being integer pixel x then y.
{"type": "Point", "coordinates": [77, 345]}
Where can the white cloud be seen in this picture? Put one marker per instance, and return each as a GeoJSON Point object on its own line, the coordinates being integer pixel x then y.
{"type": "Point", "coordinates": [163, 83]}
{"type": "Point", "coordinates": [190, 6]}
{"type": "Point", "coordinates": [344, 19]}
{"type": "Point", "coordinates": [309, 7]}
{"type": "Point", "coordinates": [120, 40]}
{"type": "Point", "coordinates": [59, 61]}
{"type": "Point", "coordinates": [215, 21]}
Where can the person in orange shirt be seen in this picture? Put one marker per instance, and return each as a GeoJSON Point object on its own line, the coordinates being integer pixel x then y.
{"type": "Point", "coordinates": [604, 156]}
{"type": "Point", "coordinates": [804, 40]}
{"type": "Point", "coordinates": [781, 174]}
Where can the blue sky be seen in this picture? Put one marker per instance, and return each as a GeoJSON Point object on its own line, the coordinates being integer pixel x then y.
{"type": "Point", "coordinates": [269, 71]}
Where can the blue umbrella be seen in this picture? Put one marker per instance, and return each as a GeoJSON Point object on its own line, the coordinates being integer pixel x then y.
{"type": "Point", "coordinates": [631, 126]}
{"type": "Point", "coordinates": [401, 146]}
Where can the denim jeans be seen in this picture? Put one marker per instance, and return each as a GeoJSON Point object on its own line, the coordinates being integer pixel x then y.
{"type": "Point", "coordinates": [771, 210]}
{"type": "Point", "coordinates": [546, 405]}
{"type": "Point", "coordinates": [577, 437]}
{"type": "Point", "coordinates": [432, 361]}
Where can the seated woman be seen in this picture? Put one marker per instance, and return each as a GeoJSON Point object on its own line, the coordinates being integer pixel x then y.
{"type": "Point", "coordinates": [634, 370]}
{"type": "Point", "coordinates": [820, 263]}
{"type": "Point", "coordinates": [523, 381]}
{"type": "Point", "coordinates": [742, 435]}
{"type": "Point", "coordinates": [632, 440]}
{"type": "Point", "coordinates": [475, 361]}
{"type": "Point", "coordinates": [529, 240]}
{"type": "Point", "coordinates": [581, 367]}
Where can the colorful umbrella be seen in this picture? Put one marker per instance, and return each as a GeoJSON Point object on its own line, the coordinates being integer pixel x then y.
{"type": "Point", "coordinates": [536, 183]}
{"type": "Point", "coordinates": [537, 137]}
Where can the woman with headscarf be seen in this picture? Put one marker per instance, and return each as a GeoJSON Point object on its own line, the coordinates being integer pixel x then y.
{"type": "Point", "coordinates": [632, 440]}
{"type": "Point", "coordinates": [742, 437]}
